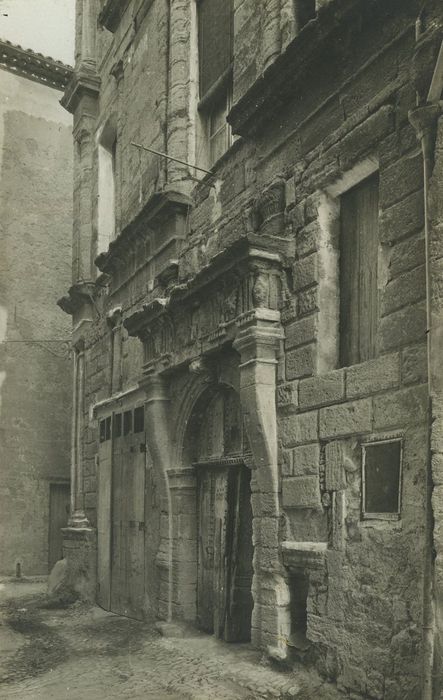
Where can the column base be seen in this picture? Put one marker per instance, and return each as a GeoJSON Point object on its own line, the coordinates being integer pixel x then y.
{"type": "Point", "coordinates": [80, 552]}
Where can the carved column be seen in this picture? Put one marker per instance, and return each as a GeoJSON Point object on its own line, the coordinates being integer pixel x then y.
{"type": "Point", "coordinates": [258, 342]}
{"type": "Point", "coordinates": [88, 33]}
{"type": "Point", "coordinates": [271, 35]}
{"type": "Point", "coordinates": [78, 517]}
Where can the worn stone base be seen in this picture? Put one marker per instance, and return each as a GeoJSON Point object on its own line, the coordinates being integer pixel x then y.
{"type": "Point", "coordinates": [80, 552]}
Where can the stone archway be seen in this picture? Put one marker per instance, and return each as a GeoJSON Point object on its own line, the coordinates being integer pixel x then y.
{"type": "Point", "coordinates": [218, 533]}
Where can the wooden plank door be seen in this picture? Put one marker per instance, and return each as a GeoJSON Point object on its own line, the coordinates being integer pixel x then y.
{"type": "Point", "coordinates": [240, 553]}
{"type": "Point", "coordinates": [128, 526]}
{"type": "Point", "coordinates": [119, 454]}
{"type": "Point", "coordinates": [205, 550]}
{"type": "Point", "coordinates": [224, 599]}
{"type": "Point", "coordinates": [59, 503]}
{"type": "Point", "coordinates": [135, 519]}
{"type": "Point", "coordinates": [104, 524]}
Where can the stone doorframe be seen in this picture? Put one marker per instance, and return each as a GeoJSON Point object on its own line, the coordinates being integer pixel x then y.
{"type": "Point", "coordinates": [257, 339]}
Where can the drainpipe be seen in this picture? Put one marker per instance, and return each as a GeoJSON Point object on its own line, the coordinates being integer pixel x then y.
{"type": "Point", "coordinates": [167, 87]}
{"type": "Point", "coordinates": [424, 119]}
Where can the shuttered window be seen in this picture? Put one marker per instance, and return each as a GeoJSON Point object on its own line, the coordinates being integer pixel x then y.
{"type": "Point", "coordinates": [215, 30]}
{"type": "Point", "coordinates": [358, 272]}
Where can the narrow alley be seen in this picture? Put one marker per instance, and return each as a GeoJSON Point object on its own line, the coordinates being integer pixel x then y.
{"type": "Point", "coordinates": [82, 651]}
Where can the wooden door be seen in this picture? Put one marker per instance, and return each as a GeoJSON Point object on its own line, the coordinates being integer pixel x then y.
{"type": "Point", "coordinates": [59, 503]}
{"type": "Point", "coordinates": [128, 520]}
{"type": "Point", "coordinates": [224, 600]}
{"type": "Point", "coordinates": [104, 525]}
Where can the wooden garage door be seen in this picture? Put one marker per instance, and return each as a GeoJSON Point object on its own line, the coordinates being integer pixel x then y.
{"type": "Point", "coordinates": [128, 516]}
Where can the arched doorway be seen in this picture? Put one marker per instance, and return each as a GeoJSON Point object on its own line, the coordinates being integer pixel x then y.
{"type": "Point", "coordinates": [216, 446]}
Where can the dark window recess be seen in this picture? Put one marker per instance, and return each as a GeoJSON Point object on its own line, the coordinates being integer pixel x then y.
{"type": "Point", "coordinates": [215, 30]}
{"type": "Point", "coordinates": [102, 430]}
{"type": "Point", "coordinates": [127, 422]}
{"type": "Point", "coordinates": [108, 428]}
{"type": "Point", "coordinates": [358, 272]}
{"type": "Point", "coordinates": [139, 419]}
{"type": "Point", "coordinates": [382, 478]}
{"type": "Point", "coordinates": [299, 588]}
{"type": "Point", "coordinates": [117, 425]}
{"type": "Point", "coordinates": [304, 10]}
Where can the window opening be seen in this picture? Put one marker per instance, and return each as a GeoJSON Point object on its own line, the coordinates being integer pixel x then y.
{"type": "Point", "coordinates": [299, 589]}
{"type": "Point", "coordinates": [127, 422]}
{"type": "Point", "coordinates": [117, 425]}
{"type": "Point", "coordinates": [382, 479]}
{"type": "Point", "coordinates": [139, 419]}
{"type": "Point", "coordinates": [108, 428]}
{"type": "Point", "coordinates": [215, 48]}
{"type": "Point", "coordinates": [107, 153]}
{"type": "Point", "coordinates": [358, 272]}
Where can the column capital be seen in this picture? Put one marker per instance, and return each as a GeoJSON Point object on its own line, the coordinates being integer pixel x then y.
{"type": "Point", "coordinates": [155, 387]}
{"type": "Point", "coordinates": [259, 335]}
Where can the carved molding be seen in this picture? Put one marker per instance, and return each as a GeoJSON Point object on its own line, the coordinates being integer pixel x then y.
{"type": "Point", "coordinates": [84, 82]}
{"type": "Point", "coordinates": [78, 296]}
{"type": "Point", "coordinates": [241, 284]}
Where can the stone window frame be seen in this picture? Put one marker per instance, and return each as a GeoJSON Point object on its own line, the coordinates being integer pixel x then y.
{"type": "Point", "coordinates": [106, 142]}
{"type": "Point", "coordinates": [369, 517]}
{"type": "Point", "coordinates": [328, 210]}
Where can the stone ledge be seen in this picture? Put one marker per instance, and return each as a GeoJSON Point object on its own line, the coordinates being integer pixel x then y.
{"type": "Point", "coordinates": [302, 555]}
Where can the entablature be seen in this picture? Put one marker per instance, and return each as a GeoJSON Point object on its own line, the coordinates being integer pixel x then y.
{"type": "Point", "coordinates": [243, 283]}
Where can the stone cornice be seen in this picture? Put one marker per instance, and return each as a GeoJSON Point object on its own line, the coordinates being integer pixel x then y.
{"type": "Point", "coordinates": [329, 35]}
{"type": "Point", "coordinates": [34, 66]}
{"type": "Point", "coordinates": [84, 81]}
{"type": "Point", "coordinates": [157, 209]}
{"type": "Point", "coordinates": [78, 295]}
{"type": "Point", "coordinates": [112, 13]}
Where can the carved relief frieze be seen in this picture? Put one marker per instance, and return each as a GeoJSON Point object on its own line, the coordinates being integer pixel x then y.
{"type": "Point", "coordinates": [206, 312]}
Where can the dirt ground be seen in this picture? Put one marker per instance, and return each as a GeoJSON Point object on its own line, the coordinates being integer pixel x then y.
{"type": "Point", "coordinates": [81, 652]}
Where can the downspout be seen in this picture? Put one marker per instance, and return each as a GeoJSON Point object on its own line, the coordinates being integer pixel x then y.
{"type": "Point", "coordinates": [423, 119]}
{"type": "Point", "coordinates": [167, 81]}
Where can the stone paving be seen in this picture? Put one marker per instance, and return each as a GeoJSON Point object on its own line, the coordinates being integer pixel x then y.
{"type": "Point", "coordinates": [83, 652]}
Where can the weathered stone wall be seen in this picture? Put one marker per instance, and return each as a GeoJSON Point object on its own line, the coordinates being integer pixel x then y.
{"type": "Point", "coordinates": [345, 116]}
{"type": "Point", "coordinates": [36, 229]}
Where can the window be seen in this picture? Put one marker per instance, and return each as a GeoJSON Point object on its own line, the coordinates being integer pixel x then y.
{"type": "Point", "coordinates": [382, 479]}
{"type": "Point", "coordinates": [358, 272]}
{"type": "Point", "coordinates": [139, 419]}
{"type": "Point", "coordinates": [215, 48]}
{"type": "Point", "coordinates": [127, 422]}
{"type": "Point", "coordinates": [117, 425]}
{"type": "Point", "coordinates": [107, 149]}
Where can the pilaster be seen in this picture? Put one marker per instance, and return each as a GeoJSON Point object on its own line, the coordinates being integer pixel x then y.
{"type": "Point", "coordinates": [258, 342]}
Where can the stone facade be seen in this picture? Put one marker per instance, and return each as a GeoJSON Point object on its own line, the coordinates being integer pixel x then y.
{"type": "Point", "coordinates": [35, 242]}
{"type": "Point", "coordinates": [233, 282]}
